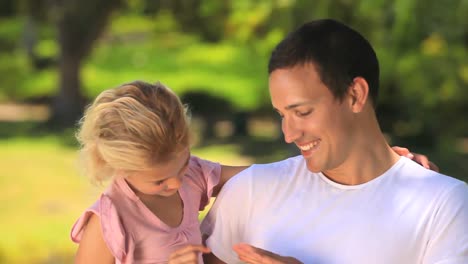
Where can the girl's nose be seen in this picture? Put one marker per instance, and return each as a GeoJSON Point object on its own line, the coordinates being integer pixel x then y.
{"type": "Point", "coordinates": [173, 183]}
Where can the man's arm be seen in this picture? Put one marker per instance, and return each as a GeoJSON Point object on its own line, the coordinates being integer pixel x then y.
{"type": "Point", "coordinates": [227, 172]}
{"type": "Point", "coordinates": [226, 222]}
{"type": "Point", "coordinates": [448, 238]}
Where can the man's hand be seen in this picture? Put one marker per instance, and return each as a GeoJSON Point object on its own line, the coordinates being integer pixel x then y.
{"type": "Point", "coordinates": [253, 255]}
{"type": "Point", "coordinates": [188, 254]}
{"type": "Point", "coordinates": [419, 158]}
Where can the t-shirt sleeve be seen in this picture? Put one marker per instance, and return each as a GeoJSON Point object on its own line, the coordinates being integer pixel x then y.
{"type": "Point", "coordinates": [205, 176]}
{"type": "Point", "coordinates": [448, 243]}
{"type": "Point", "coordinates": [120, 244]}
{"type": "Point", "coordinates": [227, 221]}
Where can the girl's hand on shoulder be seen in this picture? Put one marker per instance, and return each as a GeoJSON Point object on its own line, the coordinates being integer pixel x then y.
{"type": "Point", "coordinates": [423, 160]}
{"type": "Point", "coordinates": [188, 254]}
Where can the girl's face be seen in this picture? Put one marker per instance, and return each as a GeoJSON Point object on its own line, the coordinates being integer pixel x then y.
{"type": "Point", "coordinates": [162, 179]}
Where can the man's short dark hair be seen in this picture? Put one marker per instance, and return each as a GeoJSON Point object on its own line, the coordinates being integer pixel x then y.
{"type": "Point", "coordinates": [338, 52]}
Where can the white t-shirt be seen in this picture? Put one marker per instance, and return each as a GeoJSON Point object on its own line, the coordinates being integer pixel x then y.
{"type": "Point", "coordinates": [406, 215]}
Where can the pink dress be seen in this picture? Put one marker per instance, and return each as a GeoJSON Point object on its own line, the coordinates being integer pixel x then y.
{"type": "Point", "coordinates": [134, 234]}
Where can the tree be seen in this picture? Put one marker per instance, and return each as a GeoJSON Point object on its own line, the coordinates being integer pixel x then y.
{"type": "Point", "coordinates": [79, 24]}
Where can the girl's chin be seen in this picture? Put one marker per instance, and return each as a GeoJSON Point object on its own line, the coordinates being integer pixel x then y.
{"type": "Point", "coordinates": [167, 193]}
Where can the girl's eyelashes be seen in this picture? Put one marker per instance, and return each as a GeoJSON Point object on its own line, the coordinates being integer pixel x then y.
{"type": "Point", "coordinates": [159, 182]}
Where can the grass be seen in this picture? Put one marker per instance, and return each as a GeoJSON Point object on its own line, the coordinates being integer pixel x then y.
{"type": "Point", "coordinates": [42, 195]}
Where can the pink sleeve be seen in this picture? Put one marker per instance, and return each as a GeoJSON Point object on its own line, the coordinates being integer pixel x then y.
{"type": "Point", "coordinates": [205, 175]}
{"type": "Point", "coordinates": [120, 244]}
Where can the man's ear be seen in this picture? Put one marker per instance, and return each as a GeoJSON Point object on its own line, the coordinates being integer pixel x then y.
{"type": "Point", "coordinates": [358, 93]}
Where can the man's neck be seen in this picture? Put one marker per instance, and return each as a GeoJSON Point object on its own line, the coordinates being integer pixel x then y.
{"type": "Point", "coordinates": [370, 157]}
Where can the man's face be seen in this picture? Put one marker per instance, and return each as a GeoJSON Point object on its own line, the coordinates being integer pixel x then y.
{"type": "Point", "coordinates": [312, 118]}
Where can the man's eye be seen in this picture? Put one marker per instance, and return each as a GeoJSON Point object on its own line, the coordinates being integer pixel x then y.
{"type": "Point", "coordinates": [302, 114]}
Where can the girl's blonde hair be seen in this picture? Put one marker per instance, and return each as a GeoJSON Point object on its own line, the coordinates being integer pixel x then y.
{"type": "Point", "coordinates": [132, 128]}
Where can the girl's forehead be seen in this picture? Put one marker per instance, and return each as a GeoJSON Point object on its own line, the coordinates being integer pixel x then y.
{"type": "Point", "coordinates": [173, 165]}
{"type": "Point", "coordinates": [166, 169]}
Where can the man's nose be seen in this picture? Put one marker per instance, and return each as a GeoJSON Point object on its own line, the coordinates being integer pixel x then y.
{"type": "Point", "coordinates": [290, 130]}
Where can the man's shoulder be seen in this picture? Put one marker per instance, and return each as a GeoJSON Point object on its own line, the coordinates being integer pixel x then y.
{"type": "Point", "coordinates": [268, 173]}
{"type": "Point", "coordinates": [415, 176]}
{"type": "Point", "coordinates": [280, 166]}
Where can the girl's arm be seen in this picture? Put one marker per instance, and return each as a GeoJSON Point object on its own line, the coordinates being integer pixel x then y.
{"type": "Point", "coordinates": [227, 172]}
{"type": "Point", "coordinates": [92, 248]}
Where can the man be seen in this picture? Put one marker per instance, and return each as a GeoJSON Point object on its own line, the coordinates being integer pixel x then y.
{"type": "Point", "coordinates": [348, 198]}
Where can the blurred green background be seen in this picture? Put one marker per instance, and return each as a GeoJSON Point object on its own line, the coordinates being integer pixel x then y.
{"type": "Point", "coordinates": [55, 56]}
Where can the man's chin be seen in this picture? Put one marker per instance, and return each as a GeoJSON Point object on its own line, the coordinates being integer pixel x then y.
{"type": "Point", "coordinates": [311, 167]}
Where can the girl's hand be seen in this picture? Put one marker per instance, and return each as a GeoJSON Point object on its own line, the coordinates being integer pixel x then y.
{"type": "Point", "coordinates": [419, 158]}
{"type": "Point", "coordinates": [188, 254]}
{"type": "Point", "coordinates": [254, 255]}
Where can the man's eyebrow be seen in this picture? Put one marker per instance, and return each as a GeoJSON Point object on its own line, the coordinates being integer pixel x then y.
{"type": "Point", "coordinates": [292, 106]}
{"type": "Point", "coordinates": [295, 105]}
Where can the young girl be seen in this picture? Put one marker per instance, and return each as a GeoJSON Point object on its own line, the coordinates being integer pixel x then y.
{"type": "Point", "coordinates": [137, 135]}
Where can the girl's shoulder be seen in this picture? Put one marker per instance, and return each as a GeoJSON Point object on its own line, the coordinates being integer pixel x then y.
{"type": "Point", "coordinates": [200, 179]}
{"type": "Point", "coordinates": [112, 228]}
{"type": "Point", "coordinates": [203, 173]}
